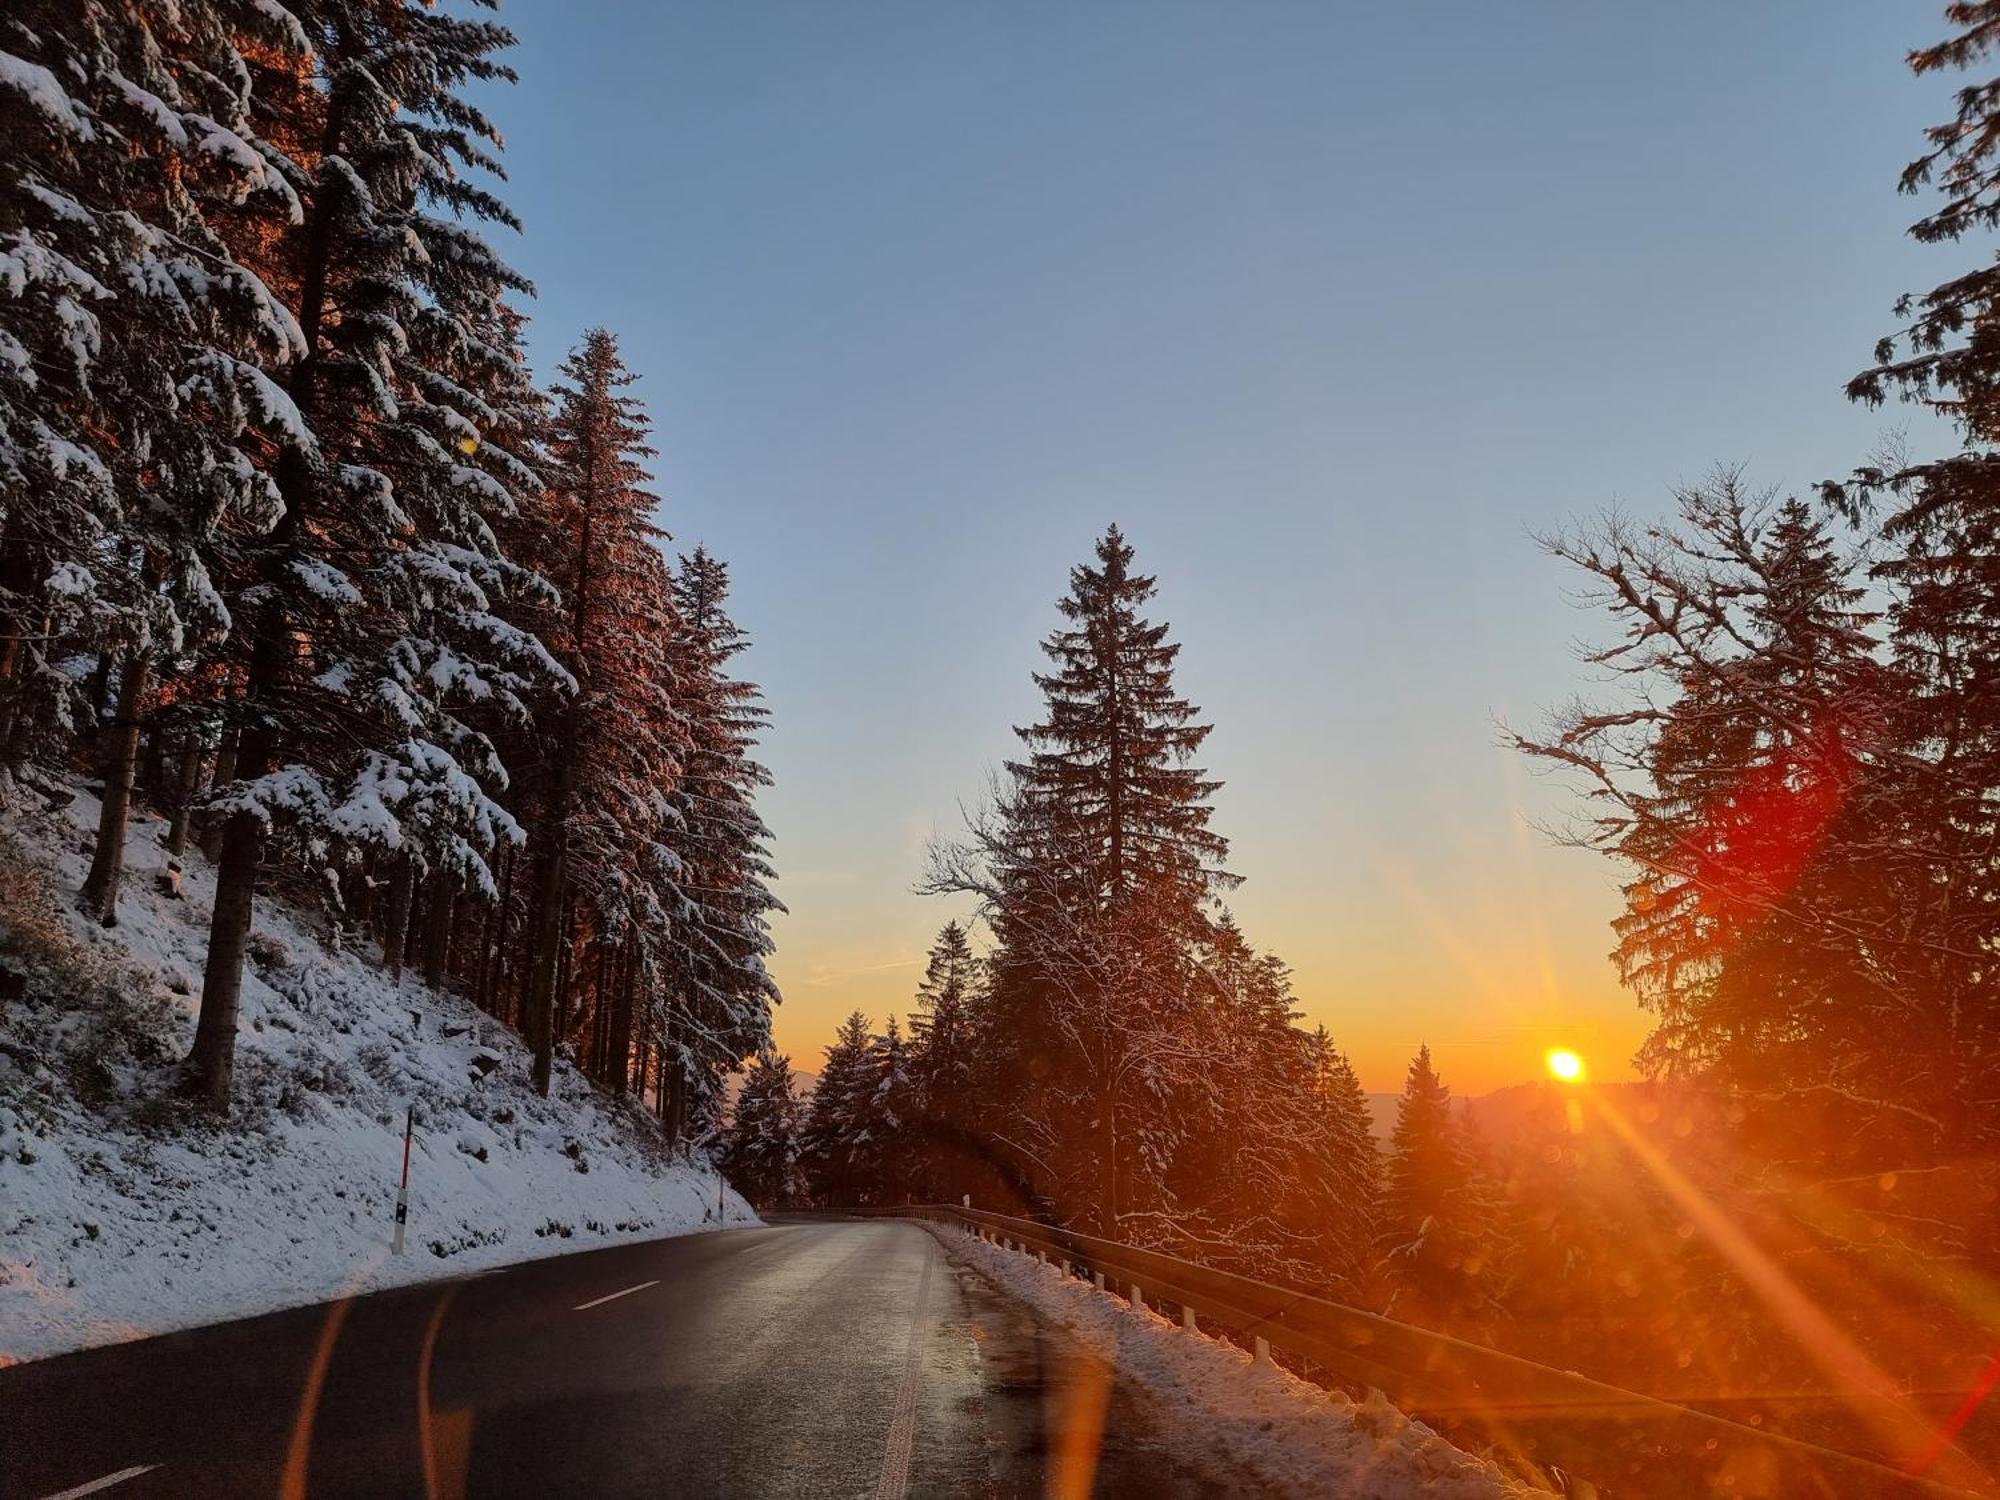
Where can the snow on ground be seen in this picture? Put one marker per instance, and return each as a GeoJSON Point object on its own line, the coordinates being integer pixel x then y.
{"type": "Point", "coordinates": [123, 1214]}
{"type": "Point", "coordinates": [1291, 1437]}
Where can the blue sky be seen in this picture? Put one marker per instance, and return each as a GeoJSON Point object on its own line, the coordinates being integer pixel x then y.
{"type": "Point", "coordinates": [1329, 306]}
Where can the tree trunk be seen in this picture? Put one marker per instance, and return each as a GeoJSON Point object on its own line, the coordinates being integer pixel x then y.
{"type": "Point", "coordinates": [107, 864]}
{"type": "Point", "coordinates": [213, 1058]}
{"type": "Point", "coordinates": [538, 1000]}
{"type": "Point", "coordinates": [225, 772]}
{"type": "Point", "coordinates": [565, 993]}
{"type": "Point", "coordinates": [437, 945]}
{"type": "Point", "coordinates": [186, 788]}
{"type": "Point", "coordinates": [14, 725]}
{"type": "Point", "coordinates": [396, 922]}
{"type": "Point", "coordinates": [497, 944]}
{"type": "Point", "coordinates": [674, 1086]}
{"type": "Point", "coordinates": [619, 1067]}
{"type": "Point", "coordinates": [1107, 1161]}
{"type": "Point", "coordinates": [100, 690]}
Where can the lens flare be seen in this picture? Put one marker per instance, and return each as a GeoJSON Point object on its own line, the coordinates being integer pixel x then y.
{"type": "Point", "coordinates": [1565, 1064]}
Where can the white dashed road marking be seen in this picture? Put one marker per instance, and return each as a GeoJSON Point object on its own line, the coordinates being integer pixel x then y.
{"type": "Point", "coordinates": [103, 1484]}
{"type": "Point", "coordinates": [582, 1306]}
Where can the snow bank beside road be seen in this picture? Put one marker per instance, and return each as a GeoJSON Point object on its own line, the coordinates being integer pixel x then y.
{"type": "Point", "coordinates": [1288, 1435]}
{"type": "Point", "coordinates": [122, 1215]}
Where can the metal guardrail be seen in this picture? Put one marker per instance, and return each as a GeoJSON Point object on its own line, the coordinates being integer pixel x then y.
{"type": "Point", "coordinates": [1545, 1416]}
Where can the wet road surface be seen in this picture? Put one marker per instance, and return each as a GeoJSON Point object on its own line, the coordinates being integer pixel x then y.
{"type": "Point", "coordinates": [812, 1358]}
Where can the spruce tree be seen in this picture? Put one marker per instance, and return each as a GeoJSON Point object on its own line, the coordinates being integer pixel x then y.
{"type": "Point", "coordinates": [1430, 1230]}
{"type": "Point", "coordinates": [847, 1081]}
{"type": "Point", "coordinates": [944, 1060]}
{"type": "Point", "coordinates": [1108, 785]}
{"type": "Point", "coordinates": [1352, 1187]}
{"type": "Point", "coordinates": [124, 465]}
{"type": "Point", "coordinates": [1095, 873]}
{"type": "Point", "coordinates": [717, 991]}
{"type": "Point", "coordinates": [367, 626]}
{"type": "Point", "coordinates": [1758, 782]}
{"type": "Point", "coordinates": [1942, 569]}
{"type": "Point", "coordinates": [885, 1135]}
{"type": "Point", "coordinates": [761, 1152]}
{"type": "Point", "coordinates": [607, 746]}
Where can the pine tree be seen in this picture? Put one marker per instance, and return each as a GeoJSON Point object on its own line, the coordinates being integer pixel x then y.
{"type": "Point", "coordinates": [366, 619]}
{"type": "Point", "coordinates": [847, 1080]}
{"type": "Point", "coordinates": [1352, 1187]}
{"type": "Point", "coordinates": [884, 1133]}
{"type": "Point", "coordinates": [718, 991]}
{"type": "Point", "coordinates": [1094, 873]}
{"type": "Point", "coordinates": [1756, 771]}
{"type": "Point", "coordinates": [1108, 781]}
{"type": "Point", "coordinates": [607, 749]}
{"type": "Point", "coordinates": [944, 1052]}
{"type": "Point", "coordinates": [1758, 781]}
{"type": "Point", "coordinates": [1431, 1222]}
{"type": "Point", "coordinates": [124, 464]}
{"type": "Point", "coordinates": [1942, 569]}
{"type": "Point", "coordinates": [761, 1154]}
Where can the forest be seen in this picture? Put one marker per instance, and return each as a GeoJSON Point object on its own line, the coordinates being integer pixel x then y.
{"type": "Point", "coordinates": [299, 555]}
{"type": "Point", "coordinates": [1790, 757]}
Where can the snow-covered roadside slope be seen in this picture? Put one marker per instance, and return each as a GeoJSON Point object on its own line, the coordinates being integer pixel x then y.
{"type": "Point", "coordinates": [121, 1214]}
{"type": "Point", "coordinates": [1289, 1436]}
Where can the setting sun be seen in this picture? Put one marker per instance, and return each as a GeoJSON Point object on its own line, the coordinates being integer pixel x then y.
{"type": "Point", "coordinates": [1565, 1064]}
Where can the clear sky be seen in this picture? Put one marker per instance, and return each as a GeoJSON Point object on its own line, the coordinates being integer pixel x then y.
{"type": "Point", "coordinates": [1328, 305]}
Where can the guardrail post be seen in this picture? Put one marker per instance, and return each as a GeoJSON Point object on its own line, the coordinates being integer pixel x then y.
{"type": "Point", "coordinates": [1187, 1319]}
{"type": "Point", "coordinates": [1138, 1297]}
{"type": "Point", "coordinates": [1260, 1350]}
{"type": "Point", "coordinates": [1098, 1280]}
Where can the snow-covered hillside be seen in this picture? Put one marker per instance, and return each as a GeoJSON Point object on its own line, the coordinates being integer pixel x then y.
{"type": "Point", "coordinates": [123, 1214]}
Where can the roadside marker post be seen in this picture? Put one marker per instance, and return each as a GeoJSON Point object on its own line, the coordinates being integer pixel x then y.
{"type": "Point", "coordinates": [403, 1189]}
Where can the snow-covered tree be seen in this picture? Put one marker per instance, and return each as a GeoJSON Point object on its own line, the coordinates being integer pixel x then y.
{"type": "Point", "coordinates": [608, 752]}
{"type": "Point", "coordinates": [123, 467]}
{"type": "Point", "coordinates": [1352, 1187]}
{"type": "Point", "coordinates": [835, 1156]}
{"type": "Point", "coordinates": [886, 1140]}
{"type": "Point", "coordinates": [761, 1152]}
{"type": "Point", "coordinates": [367, 618]}
{"type": "Point", "coordinates": [1436, 1233]}
{"type": "Point", "coordinates": [945, 1048]}
{"type": "Point", "coordinates": [1094, 872]}
{"type": "Point", "coordinates": [717, 994]}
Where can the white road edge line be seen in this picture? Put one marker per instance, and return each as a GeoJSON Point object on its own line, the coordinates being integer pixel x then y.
{"type": "Point", "coordinates": [895, 1482]}
{"type": "Point", "coordinates": [102, 1484]}
{"type": "Point", "coordinates": [583, 1306]}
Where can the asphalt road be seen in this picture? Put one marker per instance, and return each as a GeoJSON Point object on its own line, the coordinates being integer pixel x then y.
{"type": "Point", "coordinates": [813, 1359]}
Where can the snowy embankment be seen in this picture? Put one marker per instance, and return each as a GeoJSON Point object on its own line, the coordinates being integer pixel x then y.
{"type": "Point", "coordinates": [123, 1214]}
{"type": "Point", "coordinates": [1287, 1435]}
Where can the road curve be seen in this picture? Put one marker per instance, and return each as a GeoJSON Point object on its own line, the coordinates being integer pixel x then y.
{"type": "Point", "coordinates": [809, 1359]}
